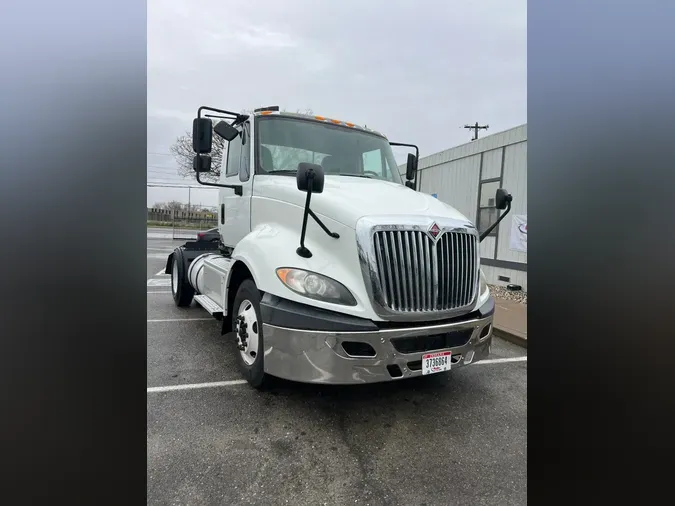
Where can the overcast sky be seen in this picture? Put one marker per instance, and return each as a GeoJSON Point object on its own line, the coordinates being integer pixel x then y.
{"type": "Point", "coordinates": [415, 70]}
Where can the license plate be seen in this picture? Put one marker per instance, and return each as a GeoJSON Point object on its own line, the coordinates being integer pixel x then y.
{"type": "Point", "coordinates": [436, 362]}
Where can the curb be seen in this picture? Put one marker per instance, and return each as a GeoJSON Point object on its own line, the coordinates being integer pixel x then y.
{"type": "Point", "coordinates": [508, 336]}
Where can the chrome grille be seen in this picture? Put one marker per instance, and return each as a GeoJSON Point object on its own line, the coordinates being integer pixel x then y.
{"type": "Point", "coordinates": [416, 273]}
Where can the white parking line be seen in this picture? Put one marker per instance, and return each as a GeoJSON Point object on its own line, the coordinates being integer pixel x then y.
{"type": "Point", "coordinates": [502, 360]}
{"type": "Point", "coordinates": [196, 385]}
{"type": "Point", "coordinates": [160, 291]}
{"type": "Point", "coordinates": [182, 320]}
{"type": "Point", "coordinates": [159, 282]}
{"type": "Point", "coordinates": [242, 382]}
{"type": "Point", "coordinates": [161, 273]}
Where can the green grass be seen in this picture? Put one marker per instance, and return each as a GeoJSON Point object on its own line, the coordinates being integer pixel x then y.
{"type": "Point", "coordinates": [160, 224]}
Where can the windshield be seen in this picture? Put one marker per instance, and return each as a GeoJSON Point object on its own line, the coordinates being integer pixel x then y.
{"type": "Point", "coordinates": [285, 142]}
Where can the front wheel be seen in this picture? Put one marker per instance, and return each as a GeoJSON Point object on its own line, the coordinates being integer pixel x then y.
{"type": "Point", "coordinates": [247, 325]}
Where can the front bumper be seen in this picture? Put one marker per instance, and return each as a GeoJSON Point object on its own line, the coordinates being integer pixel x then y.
{"type": "Point", "coordinates": [335, 356]}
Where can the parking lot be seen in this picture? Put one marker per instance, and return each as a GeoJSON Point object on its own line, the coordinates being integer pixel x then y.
{"type": "Point", "coordinates": [456, 438]}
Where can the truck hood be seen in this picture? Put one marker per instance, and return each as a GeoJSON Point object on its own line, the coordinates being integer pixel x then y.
{"type": "Point", "coordinates": [347, 199]}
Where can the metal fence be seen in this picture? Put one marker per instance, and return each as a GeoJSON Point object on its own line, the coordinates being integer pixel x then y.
{"type": "Point", "coordinates": [179, 224]}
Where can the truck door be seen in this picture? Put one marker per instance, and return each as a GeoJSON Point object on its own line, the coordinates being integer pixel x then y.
{"type": "Point", "coordinates": [235, 210]}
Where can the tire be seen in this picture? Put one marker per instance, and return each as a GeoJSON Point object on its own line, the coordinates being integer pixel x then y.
{"type": "Point", "coordinates": [181, 290]}
{"type": "Point", "coordinates": [254, 372]}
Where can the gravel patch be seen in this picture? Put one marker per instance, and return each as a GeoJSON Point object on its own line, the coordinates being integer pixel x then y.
{"type": "Point", "coordinates": [502, 293]}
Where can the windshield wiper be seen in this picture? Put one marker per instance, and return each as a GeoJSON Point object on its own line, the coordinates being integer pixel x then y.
{"type": "Point", "coordinates": [284, 172]}
{"type": "Point", "coordinates": [357, 175]}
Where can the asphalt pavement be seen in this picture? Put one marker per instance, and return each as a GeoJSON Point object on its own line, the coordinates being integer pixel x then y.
{"type": "Point", "coordinates": [457, 438]}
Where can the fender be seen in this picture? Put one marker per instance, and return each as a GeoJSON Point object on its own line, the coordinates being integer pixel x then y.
{"type": "Point", "coordinates": [168, 269]}
{"type": "Point", "coordinates": [271, 246]}
{"type": "Point", "coordinates": [190, 251]}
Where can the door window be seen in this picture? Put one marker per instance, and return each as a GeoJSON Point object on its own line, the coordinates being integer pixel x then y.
{"type": "Point", "coordinates": [233, 156]}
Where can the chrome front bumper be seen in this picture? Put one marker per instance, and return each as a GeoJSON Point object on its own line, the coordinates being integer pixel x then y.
{"type": "Point", "coordinates": [312, 356]}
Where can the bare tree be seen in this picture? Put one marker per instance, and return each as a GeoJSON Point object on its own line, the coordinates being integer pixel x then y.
{"type": "Point", "coordinates": [172, 205]}
{"type": "Point", "coordinates": [182, 152]}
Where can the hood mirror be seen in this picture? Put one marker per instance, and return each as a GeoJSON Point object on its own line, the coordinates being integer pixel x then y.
{"type": "Point", "coordinates": [502, 198]}
{"type": "Point", "coordinates": [310, 175]}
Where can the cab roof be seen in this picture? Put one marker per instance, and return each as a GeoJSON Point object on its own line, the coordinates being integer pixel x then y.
{"type": "Point", "coordinates": [274, 111]}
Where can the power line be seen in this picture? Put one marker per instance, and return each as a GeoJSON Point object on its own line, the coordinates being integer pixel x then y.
{"type": "Point", "coordinates": [161, 167]}
{"type": "Point", "coordinates": [164, 185]}
{"type": "Point", "coordinates": [165, 174]}
{"type": "Point", "coordinates": [175, 181]}
{"type": "Point", "coordinates": [162, 171]}
{"type": "Point", "coordinates": [168, 183]}
{"type": "Point", "coordinates": [171, 179]}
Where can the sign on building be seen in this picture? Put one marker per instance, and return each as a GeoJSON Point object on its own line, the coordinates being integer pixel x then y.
{"type": "Point", "coordinates": [519, 232]}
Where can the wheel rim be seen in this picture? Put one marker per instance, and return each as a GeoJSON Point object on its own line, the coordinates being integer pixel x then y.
{"type": "Point", "coordinates": [247, 332]}
{"type": "Point", "coordinates": [174, 277]}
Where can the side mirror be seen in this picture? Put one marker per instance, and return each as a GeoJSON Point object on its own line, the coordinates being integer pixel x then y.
{"type": "Point", "coordinates": [201, 163]}
{"type": "Point", "coordinates": [202, 132]}
{"type": "Point", "coordinates": [502, 198]}
{"type": "Point", "coordinates": [310, 177]}
{"type": "Point", "coordinates": [226, 131]}
{"type": "Point", "coordinates": [411, 167]}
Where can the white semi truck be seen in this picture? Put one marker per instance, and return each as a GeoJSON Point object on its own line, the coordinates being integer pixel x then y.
{"type": "Point", "coordinates": [331, 268]}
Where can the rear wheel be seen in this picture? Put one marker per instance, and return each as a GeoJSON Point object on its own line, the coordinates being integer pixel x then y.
{"type": "Point", "coordinates": [180, 286]}
{"type": "Point", "coordinates": [247, 326]}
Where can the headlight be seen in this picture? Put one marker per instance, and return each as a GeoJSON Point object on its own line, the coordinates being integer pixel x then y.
{"type": "Point", "coordinates": [483, 284]}
{"type": "Point", "coordinates": [316, 286]}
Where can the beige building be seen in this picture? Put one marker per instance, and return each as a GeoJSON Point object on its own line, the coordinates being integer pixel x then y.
{"type": "Point", "coordinates": [467, 177]}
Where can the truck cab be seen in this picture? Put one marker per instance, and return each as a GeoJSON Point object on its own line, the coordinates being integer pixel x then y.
{"type": "Point", "coordinates": [331, 267]}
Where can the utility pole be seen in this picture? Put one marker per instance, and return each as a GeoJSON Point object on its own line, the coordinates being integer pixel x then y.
{"type": "Point", "coordinates": [189, 190]}
{"type": "Point", "coordinates": [475, 129]}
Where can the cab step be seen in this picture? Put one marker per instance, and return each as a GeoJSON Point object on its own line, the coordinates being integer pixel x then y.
{"type": "Point", "coordinates": [212, 307]}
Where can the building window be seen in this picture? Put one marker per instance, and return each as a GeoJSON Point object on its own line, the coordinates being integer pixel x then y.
{"type": "Point", "coordinates": [487, 212]}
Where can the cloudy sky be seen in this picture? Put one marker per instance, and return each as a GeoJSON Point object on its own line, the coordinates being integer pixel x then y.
{"type": "Point", "coordinates": [415, 70]}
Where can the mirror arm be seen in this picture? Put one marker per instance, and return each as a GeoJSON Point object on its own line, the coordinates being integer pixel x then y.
{"type": "Point", "coordinates": [236, 115]}
{"type": "Point", "coordinates": [417, 155]}
{"type": "Point", "coordinates": [302, 250]}
{"type": "Point", "coordinates": [417, 150]}
{"type": "Point", "coordinates": [492, 227]}
{"type": "Point", "coordinates": [334, 235]}
{"type": "Point", "coordinates": [238, 189]}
